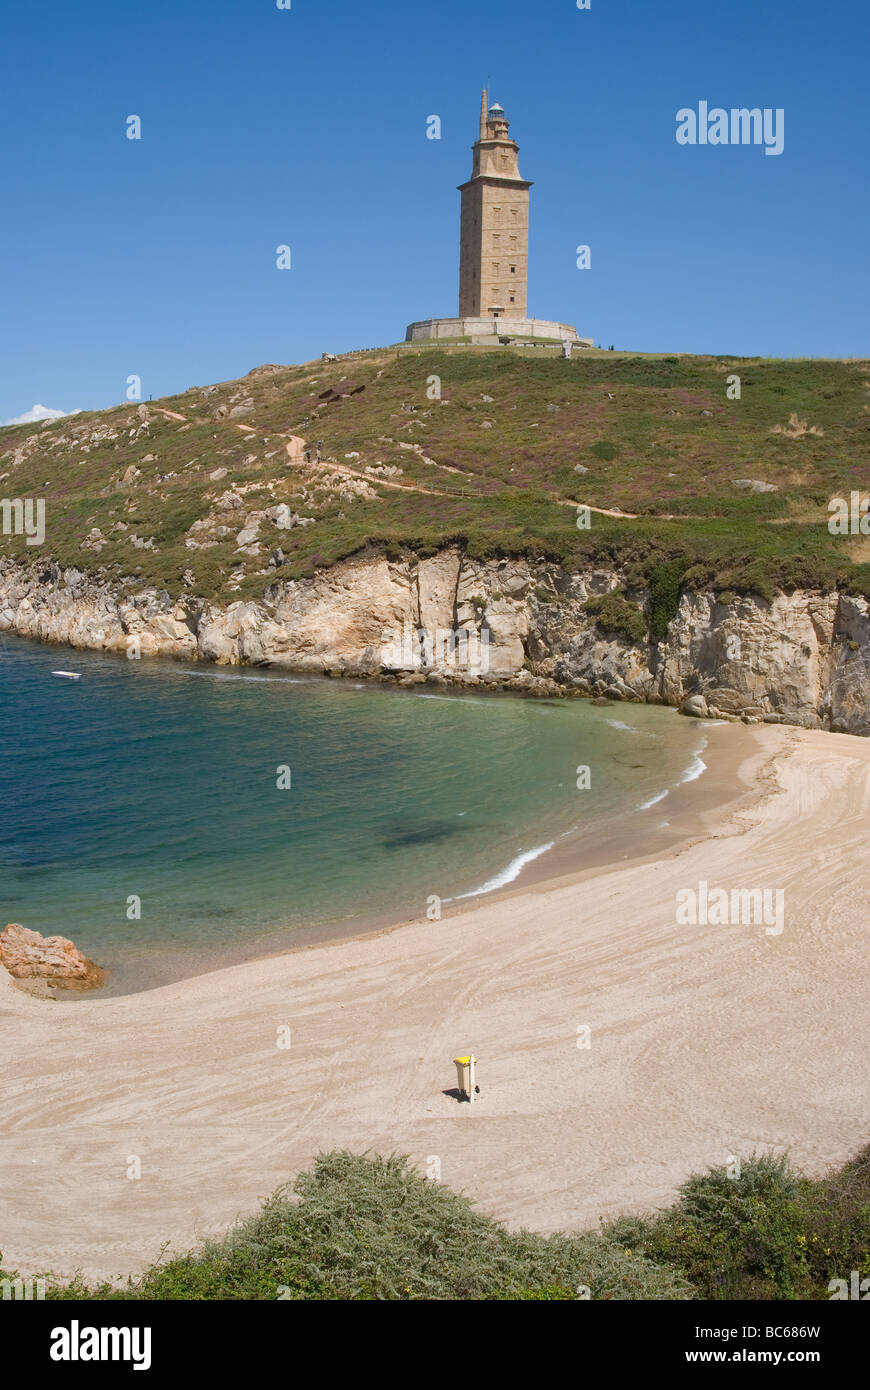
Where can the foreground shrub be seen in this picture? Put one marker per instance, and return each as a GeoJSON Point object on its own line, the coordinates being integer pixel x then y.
{"type": "Point", "coordinates": [763, 1233]}
{"type": "Point", "coordinates": [363, 1227]}
{"type": "Point", "coordinates": [359, 1227]}
{"type": "Point", "coordinates": [372, 1228]}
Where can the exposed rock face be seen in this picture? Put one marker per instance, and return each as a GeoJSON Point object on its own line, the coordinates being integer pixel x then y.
{"type": "Point", "coordinates": [756, 656]}
{"type": "Point", "coordinates": [801, 658]}
{"type": "Point", "coordinates": [51, 960]}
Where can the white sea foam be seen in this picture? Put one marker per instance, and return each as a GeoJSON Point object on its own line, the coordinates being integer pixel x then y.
{"type": "Point", "coordinates": [696, 767]}
{"type": "Point", "coordinates": [507, 875]}
{"type": "Point", "coordinates": [694, 770]}
{"type": "Point", "coordinates": [653, 801]}
{"type": "Point", "coordinates": [618, 724]}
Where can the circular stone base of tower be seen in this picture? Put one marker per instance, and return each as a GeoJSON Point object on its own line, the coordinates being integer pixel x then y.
{"type": "Point", "coordinates": [495, 330]}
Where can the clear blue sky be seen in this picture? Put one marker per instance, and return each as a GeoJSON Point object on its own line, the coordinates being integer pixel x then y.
{"type": "Point", "coordinates": [308, 127]}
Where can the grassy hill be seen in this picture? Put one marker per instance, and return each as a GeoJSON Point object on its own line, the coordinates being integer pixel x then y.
{"type": "Point", "coordinates": [493, 464]}
{"type": "Point", "coordinates": [362, 1227]}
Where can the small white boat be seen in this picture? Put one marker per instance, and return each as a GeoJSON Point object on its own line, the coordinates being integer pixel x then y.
{"type": "Point", "coordinates": [67, 675]}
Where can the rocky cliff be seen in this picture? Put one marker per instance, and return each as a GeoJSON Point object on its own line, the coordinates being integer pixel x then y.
{"type": "Point", "coordinates": [800, 658]}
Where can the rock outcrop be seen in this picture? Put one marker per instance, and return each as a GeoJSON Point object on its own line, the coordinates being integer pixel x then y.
{"type": "Point", "coordinates": [799, 658]}
{"type": "Point", "coordinates": [49, 960]}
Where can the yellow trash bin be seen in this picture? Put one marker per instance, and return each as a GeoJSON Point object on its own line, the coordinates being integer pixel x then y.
{"type": "Point", "coordinates": [465, 1075]}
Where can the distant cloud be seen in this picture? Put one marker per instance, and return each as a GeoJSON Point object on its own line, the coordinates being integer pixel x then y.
{"type": "Point", "coordinates": [38, 412]}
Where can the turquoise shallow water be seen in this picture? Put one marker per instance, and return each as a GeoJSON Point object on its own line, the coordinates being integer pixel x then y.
{"type": "Point", "coordinates": [160, 780]}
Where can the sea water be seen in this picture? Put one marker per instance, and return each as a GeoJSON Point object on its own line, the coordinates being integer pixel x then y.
{"type": "Point", "coordinates": [168, 817]}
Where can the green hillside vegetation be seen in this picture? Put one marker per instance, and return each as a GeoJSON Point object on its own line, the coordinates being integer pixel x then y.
{"type": "Point", "coordinates": [361, 1227]}
{"type": "Point", "coordinates": [656, 436]}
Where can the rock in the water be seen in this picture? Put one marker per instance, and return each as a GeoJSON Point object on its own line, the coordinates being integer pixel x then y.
{"type": "Point", "coordinates": [28, 955]}
{"type": "Point", "coordinates": [696, 706]}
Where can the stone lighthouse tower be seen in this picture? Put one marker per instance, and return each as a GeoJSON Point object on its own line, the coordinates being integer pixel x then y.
{"type": "Point", "coordinates": [494, 252]}
{"type": "Point", "coordinates": [494, 235]}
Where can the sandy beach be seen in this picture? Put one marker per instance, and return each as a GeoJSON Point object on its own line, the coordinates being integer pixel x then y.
{"type": "Point", "coordinates": [706, 1041]}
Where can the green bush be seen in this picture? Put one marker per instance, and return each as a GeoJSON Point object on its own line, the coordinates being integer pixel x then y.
{"type": "Point", "coordinates": [664, 596]}
{"type": "Point", "coordinates": [360, 1227]}
{"type": "Point", "coordinates": [371, 1228]}
{"type": "Point", "coordinates": [616, 617]}
{"type": "Point", "coordinates": [763, 1233]}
